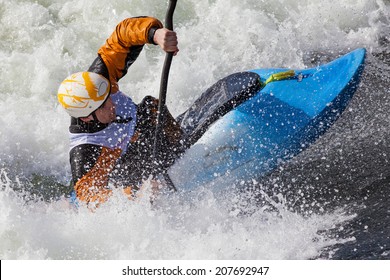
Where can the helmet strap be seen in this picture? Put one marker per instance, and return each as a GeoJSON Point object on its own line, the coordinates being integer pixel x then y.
{"type": "Point", "coordinates": [95, 117]}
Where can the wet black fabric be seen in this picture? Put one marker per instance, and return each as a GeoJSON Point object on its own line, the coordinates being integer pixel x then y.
{"type": "Point", "coordinates": [99, 67]}
{"type": "Point", "coordinates": [82, 159]}
{"type": "Point", "coordinates": [139, 163]}
{"type": "Point", "coordinates": [217, 101]}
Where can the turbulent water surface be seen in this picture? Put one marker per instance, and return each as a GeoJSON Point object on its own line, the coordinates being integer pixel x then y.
{"type": "Point", "coordinates": [331, 201]}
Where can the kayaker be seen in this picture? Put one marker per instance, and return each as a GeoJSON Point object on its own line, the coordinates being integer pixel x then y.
{"type": "Point", "coordinates": [111, 137]}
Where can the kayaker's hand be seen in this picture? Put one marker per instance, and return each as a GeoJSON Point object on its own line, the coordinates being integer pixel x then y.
{"type": "Point", "coordinates": [167, 40]}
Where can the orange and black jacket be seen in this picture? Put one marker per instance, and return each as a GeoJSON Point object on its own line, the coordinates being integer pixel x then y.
{"type": "Point", "coordinates": [91, 165]}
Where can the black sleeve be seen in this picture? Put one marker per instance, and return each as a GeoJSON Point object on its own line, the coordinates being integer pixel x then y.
{"type": "Point", "coordinates": [99, 67]}
{"type": "Point", "coordinates": [82, 159]}
{"type": "Point", "coordinates": [151, 35]}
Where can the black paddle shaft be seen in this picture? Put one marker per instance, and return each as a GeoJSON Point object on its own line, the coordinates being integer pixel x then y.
{"type": "Point", "coordinates": [166, 67]}
{"type": "Point", "coordinates": [163, 93]}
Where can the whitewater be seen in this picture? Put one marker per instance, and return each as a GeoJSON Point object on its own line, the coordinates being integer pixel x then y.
{"type": "Point", "coordinates": [330, 202]}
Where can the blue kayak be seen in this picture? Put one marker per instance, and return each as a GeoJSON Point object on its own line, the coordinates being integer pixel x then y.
{"type": "Point", "coordinates": [248, 123]}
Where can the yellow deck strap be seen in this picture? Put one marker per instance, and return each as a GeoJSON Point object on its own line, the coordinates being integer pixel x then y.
{"type": "Point", "coordinates": [280, 76]}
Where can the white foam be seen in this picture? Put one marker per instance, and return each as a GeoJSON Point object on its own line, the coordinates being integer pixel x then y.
{"type": "Point", "coordinates": [195, 227]}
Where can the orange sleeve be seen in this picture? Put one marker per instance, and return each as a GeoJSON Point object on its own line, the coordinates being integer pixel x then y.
{"type": "Point", "coordinates": [124, 45]}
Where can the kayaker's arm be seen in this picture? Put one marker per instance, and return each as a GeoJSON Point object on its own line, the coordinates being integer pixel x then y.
{"type": "Point", "coordinates": [124, 45]}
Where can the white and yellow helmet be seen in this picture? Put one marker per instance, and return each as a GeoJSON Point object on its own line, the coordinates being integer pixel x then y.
{"type": "Point", "coordinates": [82, 93]}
